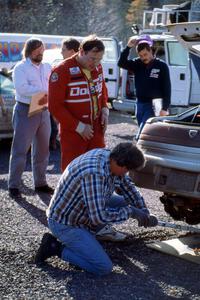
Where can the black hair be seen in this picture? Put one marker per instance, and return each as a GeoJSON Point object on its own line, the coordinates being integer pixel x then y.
{"type": "Point", "coordinates": [71, 44]}
{"type": "Point", "coordinates": [92, 42]}
{"type": "Point", "coordinates": [143, 46]}
{"type": "Point", "coordinates": [31, 45]}
{"type": "Point", "coordinates": [128, 155]}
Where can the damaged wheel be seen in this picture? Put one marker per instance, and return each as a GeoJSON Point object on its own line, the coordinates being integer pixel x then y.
{"type": "Point", "coordinates": [182, 209]}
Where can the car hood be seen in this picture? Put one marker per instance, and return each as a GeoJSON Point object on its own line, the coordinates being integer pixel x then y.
{"type": "Point", "coordinates": [182, 129]}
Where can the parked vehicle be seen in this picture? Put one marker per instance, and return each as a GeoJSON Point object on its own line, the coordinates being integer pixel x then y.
{"type": "Point", "coordinates": [7, 101]}
{"type": "Point", "coordinates": [109, 63]}
{"type": "Point", "coordinates": [11, 45]}
{"type": "Point", "coordinates": [184, 77]}
{"type": "Point", "coordinates": [171, 146]}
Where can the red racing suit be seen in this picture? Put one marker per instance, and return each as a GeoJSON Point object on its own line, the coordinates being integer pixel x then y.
{"type": "Point", "coordinates": [70, 102]}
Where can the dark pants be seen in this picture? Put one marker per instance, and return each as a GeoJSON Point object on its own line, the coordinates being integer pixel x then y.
{"type": "Point", "coordinates": [144, 111]}
{"type": "Point", "coordinates": [54, 128]}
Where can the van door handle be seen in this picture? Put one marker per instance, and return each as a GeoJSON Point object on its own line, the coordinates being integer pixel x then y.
{"type": "Point", "coordinates": [182, 76]}
{"type": "Point", "coordinates": [110, 79]}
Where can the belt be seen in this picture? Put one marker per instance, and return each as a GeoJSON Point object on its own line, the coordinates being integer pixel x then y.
{"type": "Point", "coordinates": [22, 103]}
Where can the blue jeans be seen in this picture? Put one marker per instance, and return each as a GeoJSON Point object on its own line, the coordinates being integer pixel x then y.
{"type": "Point", "coordinates": [81, 247]}
{"type": "Point", "coordinates": [144, 111]}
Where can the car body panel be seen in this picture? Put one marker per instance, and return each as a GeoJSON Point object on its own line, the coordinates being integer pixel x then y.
{"type": "Point", "coordinates": [172, 134]}
{"type": "Point", "coordinates": [7, 101]}
{"type": "Point", "coordinates": [171, 146]}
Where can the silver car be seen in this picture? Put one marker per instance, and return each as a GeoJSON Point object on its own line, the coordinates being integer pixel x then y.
{"type": "Point", "coordinates": [7, 101]}
{"type": "Point", "coordinates": [171, 147]}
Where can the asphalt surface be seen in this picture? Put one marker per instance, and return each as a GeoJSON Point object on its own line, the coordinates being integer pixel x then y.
{"type": "Point", "coordinates": [139, 272]}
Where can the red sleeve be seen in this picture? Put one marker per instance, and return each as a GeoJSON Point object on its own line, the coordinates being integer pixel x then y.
{"type": "Point", "coordinates": [56, 96]}
{"type": "Point", "coordinates": [104, 95]}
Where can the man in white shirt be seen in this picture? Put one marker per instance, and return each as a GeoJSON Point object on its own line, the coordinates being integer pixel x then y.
{"type": "Point", "coordinates": [30, 76]}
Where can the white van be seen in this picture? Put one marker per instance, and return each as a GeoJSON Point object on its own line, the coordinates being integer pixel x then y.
{"type": "Point", "coordinates": [11, 45]}
{"type": "Point", "coordinates": [183, 75]}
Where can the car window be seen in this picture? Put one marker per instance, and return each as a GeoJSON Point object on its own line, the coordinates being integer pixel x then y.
{"type": "Point", "coordinates": [6, 85]}
{"type": "Point", "coordinates": [189, 117]}
{"type": "Point", "coordinates": [178, 56]}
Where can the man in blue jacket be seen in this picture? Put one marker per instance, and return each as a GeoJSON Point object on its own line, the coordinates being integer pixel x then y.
{"type": "Point", "coordinates": [152, 79]}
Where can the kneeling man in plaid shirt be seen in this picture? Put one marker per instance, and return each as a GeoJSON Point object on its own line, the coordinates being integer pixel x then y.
{"type": "Point", "coordinates": [85, 204]}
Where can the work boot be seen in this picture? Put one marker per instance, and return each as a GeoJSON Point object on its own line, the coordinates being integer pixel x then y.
{"type": "Point", "coordinates": [49, 247]}
{"type": "Point", "coordinates": [44, 189]}
{"type": "Point", "coordinates": [108, 233]}
{"type": "Point", "coordinates": [14, 193]}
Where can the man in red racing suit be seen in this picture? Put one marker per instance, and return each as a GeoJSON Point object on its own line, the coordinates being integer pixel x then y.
{"type": "Point", "coordinates": [78, 100]}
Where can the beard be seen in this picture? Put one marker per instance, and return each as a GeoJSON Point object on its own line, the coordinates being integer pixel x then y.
{"type": "Point", "coordinates": [37, 59]}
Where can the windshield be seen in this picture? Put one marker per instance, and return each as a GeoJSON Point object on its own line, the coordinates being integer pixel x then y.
{"type": "Point", "coordinates": [6, 85]}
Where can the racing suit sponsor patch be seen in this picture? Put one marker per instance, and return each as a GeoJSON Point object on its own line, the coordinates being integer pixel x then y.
{"type": "Point", "coordinates": [74, 70]}
{"type": "Point", "coordinates": [92, 90]}
{"type": "Point", "coordinates": [54, 77]}
{"type": "Point", "coordinates": [99, 87]}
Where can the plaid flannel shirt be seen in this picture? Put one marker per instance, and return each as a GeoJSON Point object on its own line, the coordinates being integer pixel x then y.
{"type": "Point", "coordinates": [84, 188]}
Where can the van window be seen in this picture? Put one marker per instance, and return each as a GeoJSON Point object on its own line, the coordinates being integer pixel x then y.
{"type": "Point", "coordinates": [178, 56]}
{"type": "Point", "coordinates": [111, 50]}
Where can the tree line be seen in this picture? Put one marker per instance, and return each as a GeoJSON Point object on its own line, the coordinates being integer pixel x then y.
{"type": "Point", "coordinates": [74, 17]}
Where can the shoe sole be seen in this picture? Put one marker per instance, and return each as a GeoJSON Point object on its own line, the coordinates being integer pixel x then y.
{"type": "Point", "coordinates": [110, 239]}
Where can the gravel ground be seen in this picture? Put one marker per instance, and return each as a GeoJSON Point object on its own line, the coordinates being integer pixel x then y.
{"type": "Point", "coordinates": [139, 272]}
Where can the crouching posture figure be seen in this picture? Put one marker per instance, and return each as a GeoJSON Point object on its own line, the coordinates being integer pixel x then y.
{"type": "Point", "coordinates": [84, 204]}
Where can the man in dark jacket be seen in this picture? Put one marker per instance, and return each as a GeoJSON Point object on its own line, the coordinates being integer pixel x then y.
{"type": "Point", "coordinates": [152, 79]}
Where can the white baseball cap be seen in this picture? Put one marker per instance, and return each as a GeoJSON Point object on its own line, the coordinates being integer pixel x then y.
{"type": "Point", "coordinates": [144, 39]}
